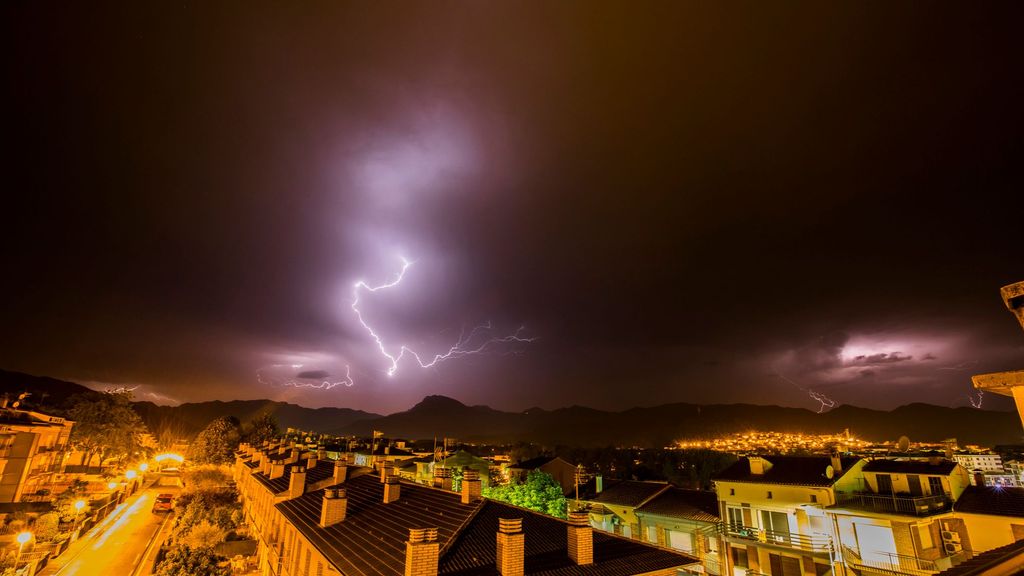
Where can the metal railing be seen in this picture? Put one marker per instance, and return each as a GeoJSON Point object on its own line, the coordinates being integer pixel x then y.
{"type": "Point", "coordinates": [892, 563]}
{"type": "Point", "coordinates": [787, 539]}
{"type": "Point", "coordinates": [895, 503]}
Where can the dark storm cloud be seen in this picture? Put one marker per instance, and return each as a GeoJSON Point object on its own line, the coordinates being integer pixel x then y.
{"type": "Point", "coordinates": [681, 202]}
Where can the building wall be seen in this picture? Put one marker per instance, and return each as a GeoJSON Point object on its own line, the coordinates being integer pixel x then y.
{"type": "Point", "coordinates": [990, 531]}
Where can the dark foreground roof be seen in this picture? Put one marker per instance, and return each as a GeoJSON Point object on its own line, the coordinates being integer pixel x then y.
{"type": "Point", "coordinates": [371, 540]}
{"type": "Point", "coordinates": [473, 551]}
{"type": "Point", "coordinates": [794, 470]}
{"type": "Point", "coordinates": [678, 503]}
{"type": "Point", "coordinates": [986, 561]}
{"type": "Point", "coordinates": [629, 493]}
{"type": "Point", "coordinates": [940, 468]}
{"type": "Point", "coordinates": [994, 500]}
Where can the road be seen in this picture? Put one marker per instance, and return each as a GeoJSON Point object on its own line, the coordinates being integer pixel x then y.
{"type": "Point", "coordinates": [118, 544]}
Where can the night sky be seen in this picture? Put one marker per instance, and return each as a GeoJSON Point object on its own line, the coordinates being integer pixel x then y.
{"type": "Point", "coordinates": [679, 201]}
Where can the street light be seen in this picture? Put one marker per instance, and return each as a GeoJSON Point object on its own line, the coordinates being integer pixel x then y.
{"type": "Point", "coordinates": [130, 474]}
{"type": "Point", "coordinates": [112, 485]}
{"type": "Point", "coordinates": [22, 538]}
{"type": "Point", "coordinates": [79, 504]}
{"type": "Point", "coordinates": [143, 466]}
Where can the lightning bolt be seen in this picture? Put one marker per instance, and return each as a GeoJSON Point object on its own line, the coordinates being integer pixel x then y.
{"type": "Point", "coordinates": [121, 390]}
{"type": "Point", "coordinates": [822, 399]}
{"type": "Point", "coordinates": [976, 401]}
{"type": "Point", "coordinates": [320, 384]}
{"type": "Point", "coordinates": [464, 346]}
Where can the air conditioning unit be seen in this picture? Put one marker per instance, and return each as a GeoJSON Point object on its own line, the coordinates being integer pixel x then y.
{"type": "Point", "coordinates": [952, 547]}
{"type": "Point", "coordinates": [950, 536]}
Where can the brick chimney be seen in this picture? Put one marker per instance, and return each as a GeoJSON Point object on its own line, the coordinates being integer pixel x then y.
{"type": "Point", "coordinates": [442, 478]}
{"type": "Point", "coordinates": [421, 552]}
{"type": "Point", "coordinates": [297, 482]}
{"type": "Point", "coordinates": [258, 456]}
{"type": "Point", "coordinates": [386, 469]}
{"type": "Point", "coordinates": [470, 486]}
{"type": "Point", "coordinates": [758, 465]}
{"type": "Point", "coordinates": [334, 507]}
{"type": "Point", "coordinates": [340, 471]}
{"type": "Point", "coordinates": [276, 469]}
{"type": "Point", "coordinates": [979, 478]}
{"type": "Point", "coordinates": [581, 538]}
{"type": "Point", "coordinates": [265, 466]}
{"type": "Point", "coordinates": [294, 456]}
{"type": "Point", "coordinates": [392, 489]}
{"type": "Point", "coordinates": [311, 460]}
{"type": "Point", "coordinates": [321, 454]}
{"type": "Point", "coordinates": [282, 449]}
{"type": "Point", "coordinates": [511, 547]}
{"type": "Point", "coordinates": [837, 462]}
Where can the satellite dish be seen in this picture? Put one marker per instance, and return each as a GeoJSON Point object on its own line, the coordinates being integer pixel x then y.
{"type": "Point", "coordinates": [830, 472]}
{"type": "Point", "coordinates": [904, 444]}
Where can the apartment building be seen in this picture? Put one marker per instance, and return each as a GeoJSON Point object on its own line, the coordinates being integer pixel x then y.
{"type": "Point", "coordinates": [774, 513]}
{"type": "Point", "coordinates": [684, 520]}
{"type": "Point", "coordinates": [613, 508]}
{"type": "Point", "coordinates": [367, 522]}
{"type": "Point", "coordinates": [32, 450]}
{"type": "Point", "coordinates": [983, 462]}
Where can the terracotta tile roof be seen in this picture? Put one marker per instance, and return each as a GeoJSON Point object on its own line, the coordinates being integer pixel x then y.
{"type": "Point", "coordinates": [324, 469]}
{"type": "Point", "coordinates": [371, 540]}
{"type": "Point", "coordinates": [942, 468]}
{"type": "Point", "coordinates": [792, 470]}
{"type": "Point", "coordinates": [678, 503]}
{"type": "Point", "coordinates": [629, 493]}
{"type": "Point", "coordinates": [993, 500]}
{"type": "Point", "coordinates": [473, 551]}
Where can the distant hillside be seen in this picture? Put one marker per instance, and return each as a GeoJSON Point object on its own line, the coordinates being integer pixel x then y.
{"type": "Point", "coordinates": [190, 418]}
{"type": "Point", "coordinates": [661, 425]}
{"type": "Point", "coordinates": [575, 425]}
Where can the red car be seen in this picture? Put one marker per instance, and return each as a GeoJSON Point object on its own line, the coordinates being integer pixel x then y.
{"type": "Point", "coordinates": [164, 503]}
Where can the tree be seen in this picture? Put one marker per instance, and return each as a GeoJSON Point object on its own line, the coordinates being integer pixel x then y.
{"type": "Point", "coordinates": [217, 442]}
{"type": "Point", "coordinates": [203, 534]}
{"type": "Point", "coordinates": [46, 527]}
{"type": "Point", "coordinates": [185, 561]}
{"type": "Point", "coordinates": [539, 492]}
{"type": "Point", "coordinates": [107, 426]}
{"type": "Point", "coordinates": [262, 428]}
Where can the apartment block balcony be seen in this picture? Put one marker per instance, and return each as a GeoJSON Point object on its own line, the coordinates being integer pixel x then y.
{"type": "Point", "coordinates": [819, 544]}
{"type": "Point", "coordinates": [906, 504]}
{"type": "Point", "coordinates": [889, 563]}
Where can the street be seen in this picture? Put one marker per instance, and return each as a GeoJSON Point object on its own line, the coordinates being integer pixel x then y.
{"type": "Point", "coordinates": [117, 545]}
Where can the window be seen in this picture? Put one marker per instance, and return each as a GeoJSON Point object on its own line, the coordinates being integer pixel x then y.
{"type": "Point", "coordinates": [935, 485]}
{"type": "Point", "coordinates": [739, 557]}
{"type": "Point", "coordinates": [652, 534]}
{"type": "Point", "coordinates": [924, 536]}
{"type": "Point", "coordinates": [814, 498]}
{"type": "Point", "coordinates": [884, 484]}
{"type": "Point", "coordinates": [732, 491]}
{"type": "Point", "coordinates": [735, 517]}
{"type": "Point", "coordinates": [769, 494]}
{"type": "Point", "coordinates": [785, 565]}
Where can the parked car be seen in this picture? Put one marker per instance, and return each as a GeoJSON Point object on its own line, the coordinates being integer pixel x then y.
{"type": "Point", "coordinates": [164, 503]}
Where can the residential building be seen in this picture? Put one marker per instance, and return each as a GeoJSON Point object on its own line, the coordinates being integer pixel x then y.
{"type": "Point", "coordinates": [563, 471]}
{"type": "Point", "coordinates": [32, 451]}
{"type": "Point", "coordinates": [368, 522]}
{"type": "Point", "coordinates": [774, 512]}
{"type": "Point", "coordinates": [684, 520]}
{"type": "Point", "coordinates": [894, 518]}
{"type": "Point", "coordinates": [613, 508]}
{"type": "Point", "coordinates": [993, 516]}
{"type": "Point", "coordinates": [983, 462]}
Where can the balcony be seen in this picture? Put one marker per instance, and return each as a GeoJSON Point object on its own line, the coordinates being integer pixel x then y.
{"type": "Point", "coordinates": [797, 541]}
{"type": "Point", "coordinates": [895, 503]}
{"type": "Point", "coordinates": [896, 564]}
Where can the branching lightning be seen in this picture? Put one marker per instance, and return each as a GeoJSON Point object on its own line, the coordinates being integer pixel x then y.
{"type": "Point", "coordinates": [467, 344]}
{"type": "Point", "coordinates": [121, 390]}
{"type": "Point", "coordinates": [976, 400]}
{"type": "Point", "coordinates": [823, 400]}
{"type": "Point", "coordinates": [322, 383]}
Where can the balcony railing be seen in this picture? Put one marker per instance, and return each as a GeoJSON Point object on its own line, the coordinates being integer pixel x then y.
{"type": "Point", "coordinates": [786, 539]}
{"type": "Point", "coordinates": [892, 563]}
{"type": "Point", "coordinates": [895, 503]}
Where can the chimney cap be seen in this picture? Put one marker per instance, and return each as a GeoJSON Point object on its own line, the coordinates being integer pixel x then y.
{"type": "Point", "coordinates": [510, 525]}
{"type": "Point", "coordinates": [417, 535]}
{"type": "Point", "coordinates": [579, 518]}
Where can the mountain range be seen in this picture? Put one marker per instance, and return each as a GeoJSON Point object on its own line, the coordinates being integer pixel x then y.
{"type": "Point", "coordinates": [576, 425]}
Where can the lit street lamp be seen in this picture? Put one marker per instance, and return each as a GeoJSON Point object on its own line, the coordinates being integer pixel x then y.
{"type": "Point", "coordinates": [131, 474]}
{"type": "Point", "coordinates": [22, 538]}
{"type": "Point", "coordinates": [143, 466]}
{"type": "Point", "coordinates": [79, 504]}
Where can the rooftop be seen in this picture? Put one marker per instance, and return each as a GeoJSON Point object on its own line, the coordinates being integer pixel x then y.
{"type": "Point", "coordinates": [678, 503]}
{"type": "Point", "coordinates": [940, 468]}
{"type": "Point", "coordinates": [994, 500]}
{"type": "Point", "coordinates": [323, 470]}
{"type": "Point", "coordinates": [629, 493]}
{"type": "Point", "coordinates": [793, 470]}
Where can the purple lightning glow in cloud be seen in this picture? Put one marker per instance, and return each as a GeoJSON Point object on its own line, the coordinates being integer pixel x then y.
{"type": "Point", "coordinates": [464, 346]}
{"type": "Point", "coordinates": [319, 380]}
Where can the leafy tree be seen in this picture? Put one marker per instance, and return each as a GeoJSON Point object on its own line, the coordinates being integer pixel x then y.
{"type": "Point", "coordinates": [65, 503]}
{"type": "Point", "coordinates": [205, 478]}
{"type": "Point", "coordinates": [262, 428]}
{"type": "Point", "coordinates": [539, 492]}
{"type": "Point", "coordinates": [217, 442]}
{"type": "Point", "coordinates": [203, 534]}
{"type": "Point", "coordinates": [186, 561]}
{"type": "Point", "coordinates": [107, 426]}
{"type": "Point", "coordinates": [46, 527]}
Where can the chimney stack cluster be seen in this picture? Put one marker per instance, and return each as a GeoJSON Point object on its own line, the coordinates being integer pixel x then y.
{"type": "Point", "coordinates": [442, 478]}
{"type": "Point", "coordinates": [297, 482]}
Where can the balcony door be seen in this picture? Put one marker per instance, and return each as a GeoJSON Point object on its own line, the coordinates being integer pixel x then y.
{"type": "Point", "coordinates": [914, 481]}
{"type": "Point", "coordinates": [777, 526]}
{"type": "Point", "coordinates": [884, 484]}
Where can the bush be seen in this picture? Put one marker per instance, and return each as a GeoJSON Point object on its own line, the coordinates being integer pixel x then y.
{"type": "Point", "coordinates": [185, 561]}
